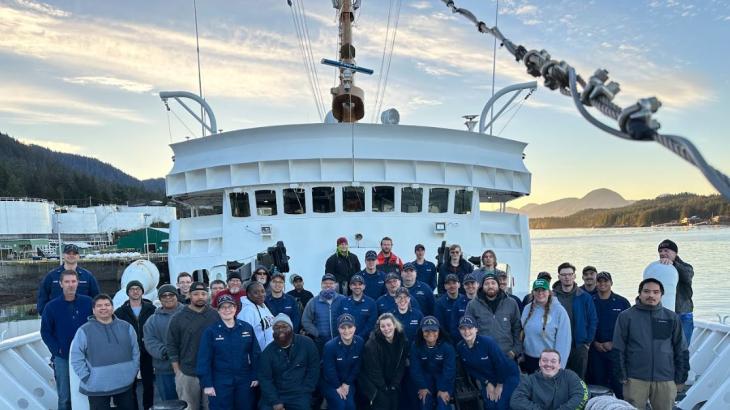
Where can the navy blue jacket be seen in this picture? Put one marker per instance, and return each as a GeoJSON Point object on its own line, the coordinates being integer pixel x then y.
{"type": "Point", "coordinates": [426, 273]}
{"type": "Point", "coordinates": [340, 362]}
{"type": "Point", "coordinates": [286, 305]}
{"type": "Point", "coordinates": [320, 318]}
{"type": "Point", "coordinates": [449, 311]}
{"type": "Point", "coordinates": [227, 352]}
{"type": "Point", "coordinates": [51, 289]}
{"type": "Point", "coordinates": [424, 294]}
{"type": "Point", "coordinates": [288, 376]}
{"type": "Point", "coordinates": [485, 361]}
{"type": "Point", "coordinates": [386, 304]}
{"type": "Point", "coordinates": [462, 270]}
{"type": "Point", "coordinates": [607, 311]}
{"type": "Point", "coordinates": [411, 321]}
{"type": "Point", "coordinates": [433, 367]}
{"type": "Point", "coordinates": [365, 313]}
{"type": "Point", "coordinates": [60, 322]}
{"type": "Point", "coordinates": [374, 283]}
{"type": "Point", "coordinates": [584, 321]}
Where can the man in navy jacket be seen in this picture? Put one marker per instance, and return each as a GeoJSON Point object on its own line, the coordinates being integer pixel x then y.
{"type": "Point", "coordinates": [49, 287]}
{"type": "Point", "coordinates": [279, 302]}
{"type": "Point", "coordinates": [361, 306]}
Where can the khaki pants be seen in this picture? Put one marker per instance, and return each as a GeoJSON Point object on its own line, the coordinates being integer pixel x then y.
{"type": "Point", "coordinates": [661, 395]}
{"type": "Point", "coordinates": [188, 389]}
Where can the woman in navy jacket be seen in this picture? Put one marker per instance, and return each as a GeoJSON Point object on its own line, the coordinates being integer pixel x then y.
{"type": "Point", "coordinates": [483, 360]}
{"type": "Point", "coordinates": [227, 360]}
{"type": "Point", "coordinates": [433, 366]}
{"type": "Point", "coordinates": [341, 365]}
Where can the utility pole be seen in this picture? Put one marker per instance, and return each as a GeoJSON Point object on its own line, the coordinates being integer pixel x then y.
{"type": "Point", "coordinates": [146, 237]}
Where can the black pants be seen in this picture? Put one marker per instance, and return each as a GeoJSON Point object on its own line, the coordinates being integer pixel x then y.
{"type": "Point", "coordinates": [148, 382]}
{"type": "Point", "coordinates": [578, 360]}
{"type": "Point", "coordinates": [600, 371]}
{"type": "Point", "coordinates": [529, 364]}
{"type": "Point", "coordinates": [386, 400]}
{"type": "Point", "coordinates": [123, 401]}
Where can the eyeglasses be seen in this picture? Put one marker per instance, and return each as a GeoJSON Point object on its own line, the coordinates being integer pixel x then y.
{"type": "Point", "coordinates": [565, 275]}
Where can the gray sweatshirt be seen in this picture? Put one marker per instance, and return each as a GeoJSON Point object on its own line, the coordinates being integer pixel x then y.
{"type": "Point", "coordinates": [564, 391]}
{"type": "Point", "coordinates": [155, 338]}
{"type": "Point", "coordinates": [502, 325]}
{"type": "Point", "coordinates": [105, 357]}
{"type": "Point", "coordinates": [183, 336]}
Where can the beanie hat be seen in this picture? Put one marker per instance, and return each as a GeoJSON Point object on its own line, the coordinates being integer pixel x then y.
{"type": "Point", "coordinates": [668, 244]}
{"type": "Point", "coordinates": [134, 283]}
{"type": "Point", "coordinates": [341, 240]}
{"type": "Point", "coordinates": [166, 288]}
{"type": "Point", "coordinates": [281, 317]}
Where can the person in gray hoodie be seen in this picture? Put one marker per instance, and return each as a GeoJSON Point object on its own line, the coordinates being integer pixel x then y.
{"type": "Point", "coordinates": [651, 359]}
{"type": "Point", "coordinates": [155, 341]}
{"type": "Point", "coordinates": [497, 316]}
{"type": "Point", "coordinates": [105, 356]}
{"type": "Point", "coordinates": [552, 388]}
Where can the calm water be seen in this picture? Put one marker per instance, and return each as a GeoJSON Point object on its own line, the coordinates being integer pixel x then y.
{"type": "Point", "coordinates": [625, 252]}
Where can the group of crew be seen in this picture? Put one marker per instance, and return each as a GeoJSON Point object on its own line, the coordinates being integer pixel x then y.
{"type": "Point", "coordinates": [372, 338]}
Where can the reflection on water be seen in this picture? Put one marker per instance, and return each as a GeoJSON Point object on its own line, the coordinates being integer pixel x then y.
{"type": "Point", "coordinates": [625, 252]}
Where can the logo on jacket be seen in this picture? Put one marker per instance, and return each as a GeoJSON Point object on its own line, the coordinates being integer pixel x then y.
{"type": "Point", "coordinates": [220, 337]}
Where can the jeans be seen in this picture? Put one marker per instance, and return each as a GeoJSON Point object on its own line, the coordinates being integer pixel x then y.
{"type": "Point", "coordinates": [63, 383]}
{"type": "Point", "coordinates": [688, 326]}
{"type": "Point", "coordinates": [123, 400]}
{"type": "Point", "coordinates": [165, 385]}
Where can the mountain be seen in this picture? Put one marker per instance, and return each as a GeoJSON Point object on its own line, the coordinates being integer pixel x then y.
{"type": "Point", "coordinates": [597, 199]}
{"type": "Point", "coordinates": [68, 179]}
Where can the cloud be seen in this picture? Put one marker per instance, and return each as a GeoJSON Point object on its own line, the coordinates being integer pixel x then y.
{"type": "Point", "coordinates": [420, 5]}
{"type": "Point", "coordinates": [422, 101]}
{"type": "Point", "coordinates": [525, 9]}
{"type": "Point", "coordinates": [42, 8]}
{"type": "Point", "coordinates": [53, 145]}
{"type": "Point", "coordinates": [122, 84]}
{"type": "Point", "coordinates": [436, 71]}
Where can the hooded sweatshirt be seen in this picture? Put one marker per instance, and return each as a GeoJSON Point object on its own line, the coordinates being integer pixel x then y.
{"type": "Point", "coordinates": [564, 391]}
{"type": "Point", "coordinates": [556, 335]}
{"type": "Point", "coordinates": [260, 318]}
{"type": "Point", "coordinates": [183, 336]}
{"type": "Point", "coordinates": [105, 357]}
{"type": "Point", "coordinates": [155, 338]}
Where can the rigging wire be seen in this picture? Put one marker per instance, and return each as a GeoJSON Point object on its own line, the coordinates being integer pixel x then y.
{"type": "Point", "coordinates": [183, 123]}
{"type": "Point", "coordinates": [635, 122]}
{"type": "Point", "coordinates": [390, 57]}
{"type": "Point", "coordinates": [307, 60]}
{"type": "Point", "coordinates": [494, 63]}
{"type": "Point", "coordinates": [313, 65]}
{"type": "Point", "coordinates": [200, 79]}
{"type": "Point", "coordinates": [519, 107]}
{"type": "Point", "coordinates": [382, 62]}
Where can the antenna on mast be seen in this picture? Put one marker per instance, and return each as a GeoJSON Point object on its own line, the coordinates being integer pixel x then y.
{"type": "Point", "coordinates": [348, 100]}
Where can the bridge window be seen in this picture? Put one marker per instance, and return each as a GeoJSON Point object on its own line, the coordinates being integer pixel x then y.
{"type": "Point", "coordinates": [294, 201]}
{"type": "Point", "coordinates": [383, 198]}
{"type": "Point", "coordinates": [323, 199]}
{"type": "Point", "coordinates": [438, 200]}
{"type": "Point", "coordinates": [462, 202]}
{"type": "Point", "coordinates": [240, 207]}
{"type": "Point", "coordinates": [411, 200]}
{"type": "Point", "coordinates": [265, 202]}
{"type": "Point", "coordinates": [353, 199]}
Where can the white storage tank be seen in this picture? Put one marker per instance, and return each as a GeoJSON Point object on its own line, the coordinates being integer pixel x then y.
{"type": "Point", "coordinates": [25, 216]}
{"type": "Point", "coordinates": [76, 220]}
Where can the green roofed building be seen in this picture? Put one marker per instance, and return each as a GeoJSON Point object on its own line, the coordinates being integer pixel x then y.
{"type": "Point", "coordinates": [158, 240]}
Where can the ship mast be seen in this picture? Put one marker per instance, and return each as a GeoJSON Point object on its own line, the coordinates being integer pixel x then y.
{"type": "Point", "coordinates": [347, 100]}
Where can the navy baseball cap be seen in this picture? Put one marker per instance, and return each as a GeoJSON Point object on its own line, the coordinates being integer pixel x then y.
{"type": "Point", "coordinates": [345, 319]}
{"type": "Point", "coordinates": [198, 286]}
{"type": "Point", "coordinates": [469, 278]}
{"type": "Point", "coordinates": [69, 247]}
{"type": "Point", "coordinates": [409, 266]}
{"type": "Point", "coordinates": [357, 278]}
{"type": "Point", "coordinates": [223, 299]}
{"type": "Point", "coordinates": [329, 276]}
{"type": "Point", "coordinates": [391, 276]}
{"type": "Point", "coordinates": [430, 323]}
{"type": "Point", "coordinates": [467, 321]}
{"type": "Point", "coordinates": [604, 276]}
{"type": "Point", "coordinates": [371, 255]}
{"type": "Point", "coordinates": [452, 278]}
{"type": "Point", "coordinates": [419, 246]}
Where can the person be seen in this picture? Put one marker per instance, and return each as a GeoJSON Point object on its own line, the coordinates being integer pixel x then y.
{"type": "Point", "coordinates": [374, 278]}
{"type": "Point", "coordinates": [450, 307]}
{"type": "Point", "coordinates": [279, 302]}
{"type": "Point", "coordinates": [183, 342]}
{"type": "Point", "coordinates": [319, 319]}
{"type": "Point", "coordinates": [528, 297]}
{"type": "Point", "coordinates": [105, 356]}
{"type": "Point", "coordinates": [683, 305]}
{"type": "Point", "coordinates": [184, 281]}
{"type": "Point", "coordinates": [483, 360]}
{"type": "Point", "coordinates": [582, 313]}
{"type": "Point", "coordinates": [503, 279]}
{"type": "Point", "coordinates": [361, 306]}
{"type": "Point", "coordinates": [489, 265]}
{"type": "Point", "coordinates": [61, 318]}
{"type": "Point", "coordinates": [155, 341]}
{"type": "Point", "coordinates": [49, 288]}
{"type": "Point", "coordinates": [432, 366]}
{"type": "Point", "coordinates": [456, 264]}
{"type": "Point", "coordinates": [418, 290]}
{"type": "Point", "coordinates": [497, 316]}
{"type": "Point", "coordinates": [227, 360]}
{"type": "Point", "coordinates": [651, 356]}
{"type": "Point", "coordinates": [425, 270]}
{"type": "Point", "coordinates": [255, 312]}
{"type": "Point", "coordinates": [388, 262]}
{"type": "Point", "coordinates": [341, 362]}
{"type": "Point", "coordinates": [470, 286]}
{"type": "Point", "coordinates": [301, 295]}
{"type": "Point", "coordinates": [384, 363]}
{"type": "Point", "coordinates": [216, 287]}
{"type": "Point", "coordinates": [546, 325]}
{"type": "Point", "coordinates": [409, 317]}
{"type": "Point", "coordinates": [600, 361]}
{"type": "Point", "coordinates": [589, 280]}
{"type": "Point", "coordinates": [234, 290]}
{"type": "Point", "coordinates": [386, 303]}
{"type": "Point", "coordinates": [343, 264]}
{"type": "Point", "coordinates": [552, 388]}
{"type": "Point", "coordinates": [262, 276]}
{"type": "Point", "coordinates": [136, 311]}
{"type": "Point", "coordinates": [288, 369]}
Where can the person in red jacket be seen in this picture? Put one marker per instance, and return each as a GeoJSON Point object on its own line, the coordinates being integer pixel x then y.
{"type": "Point", "coordinates": [388, 261]}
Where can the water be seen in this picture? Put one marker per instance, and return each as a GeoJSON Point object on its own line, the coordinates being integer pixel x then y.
{"type": "Point", "coordinates": [625, 252]}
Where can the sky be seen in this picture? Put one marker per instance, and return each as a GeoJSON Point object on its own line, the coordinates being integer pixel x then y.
{"type": "Point", "coordinates": [82, 76]}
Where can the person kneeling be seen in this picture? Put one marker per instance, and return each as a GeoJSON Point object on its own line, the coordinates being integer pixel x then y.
{"type": "Point", "coordinates": [341, 365]}
{"type": "Point", "coordinates": [551, 388]}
